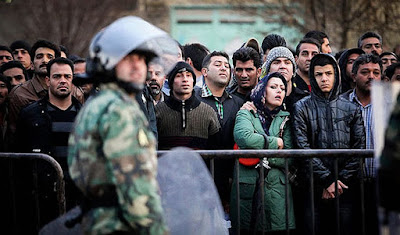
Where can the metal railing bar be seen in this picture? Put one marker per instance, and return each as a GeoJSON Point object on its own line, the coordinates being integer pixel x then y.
{"type": "Point", "coordinates": [287, 196]}
{"type": "Point", "coordinates": [337, 203]}
{"type": "Point", "coordinates": [283, 153]}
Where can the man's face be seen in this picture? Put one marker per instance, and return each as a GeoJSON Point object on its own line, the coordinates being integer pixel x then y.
{"type": "Point", "coordinates": [5, 56]}
{"type": "Point", "coordinates": [387, 60]}
{"type": "Point", "coordinates": [396, 75]}
{"type": "Point", "coordinates": [371, 46]}
{"type": "Point", "coordinates": [366, 73]}
{"type": "Point", "coordinates": [326, 47]}
{"type": "Point", "coordinates": [246, 74]}
{"type": "Point", "coordinates": [350, 62]}
{"type": "Point", "coordinates": [80, 68]}
{"type": "Point", "coordinates": [132, 68]}
{"type": "Point", "coordinates": [218, 72]}
{"type": "Point", "coordinates": [42, 56]}
{"type": "Point", "coordinates": [22, 56]}
{"type": "Point", "coordinates": [60, 80]}
{"type": "Point", "coordinates": [16, 76]}
{"type": "Point", "coordinates": [183, 83]}
{"type": "Point", "coordinates": [325, 77]}
{"type": "Point", "coordinates": [307, 52]}
{"type": "Point", "coordinates": [283, 66]}
{"type": "Point", "coordinates": [157, 78]}
{"type": "Point", "coordinates": [3, 92]}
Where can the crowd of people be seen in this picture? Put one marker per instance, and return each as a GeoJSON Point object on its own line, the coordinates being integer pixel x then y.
{"type": "Point", "coordinates": [103, 117]}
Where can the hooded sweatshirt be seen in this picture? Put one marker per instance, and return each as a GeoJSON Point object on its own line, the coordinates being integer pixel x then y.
{"type": "Point", "coordinates": [346, 81]}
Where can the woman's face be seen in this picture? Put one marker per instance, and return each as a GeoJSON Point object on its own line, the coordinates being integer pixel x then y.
{"type": "Point", "coordinates": [274, 93]}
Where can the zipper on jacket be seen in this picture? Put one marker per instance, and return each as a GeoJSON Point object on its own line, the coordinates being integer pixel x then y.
{"type": "Point", "coordinates": [329, 121]}
{"type": "Point", "coordinates": [183, 115]}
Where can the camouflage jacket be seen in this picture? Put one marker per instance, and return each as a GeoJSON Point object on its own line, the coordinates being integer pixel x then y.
{"type": "Point", "coordinates": [112, 145]}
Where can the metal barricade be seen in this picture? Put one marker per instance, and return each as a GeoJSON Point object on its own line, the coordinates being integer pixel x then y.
{"type": "Point", "coordinates": [295, 153]}
{"type": "Point", "coordinates": [33, 192]}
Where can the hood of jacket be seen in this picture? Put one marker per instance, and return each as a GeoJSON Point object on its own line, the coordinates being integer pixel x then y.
{"type": "Point", "coordinates": [315, 90]}
{"type": "Point", "coordinates": [346, 81]}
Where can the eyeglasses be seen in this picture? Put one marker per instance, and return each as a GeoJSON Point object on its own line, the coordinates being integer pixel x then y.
{"type": "Point", "coordinates": [6, 57]}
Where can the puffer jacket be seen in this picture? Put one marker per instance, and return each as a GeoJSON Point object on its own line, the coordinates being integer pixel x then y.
{"type": "Point", "coordinates": [328, 123]}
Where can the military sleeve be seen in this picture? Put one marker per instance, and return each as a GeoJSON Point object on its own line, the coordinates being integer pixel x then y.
{"type": "Point", "coordinates": [130, 149]}
{"type": "Point", "coordinates": [389, 176]}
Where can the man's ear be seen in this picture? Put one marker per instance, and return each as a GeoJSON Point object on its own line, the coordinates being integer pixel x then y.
{"type": "Point", "coordinates": [258, 74]}
{"type": "Point", "coordinates": [204, 72]}
{"type": "Point", "coordinates": [353, 76]}
{"type": "Point", "coordinates": [47, 79]}
{"type": "Point", "coordinates": [189, 61]}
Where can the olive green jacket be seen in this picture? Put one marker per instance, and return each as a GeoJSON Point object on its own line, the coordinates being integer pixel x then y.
{"type": "Point", "coordinates": [249, 134]}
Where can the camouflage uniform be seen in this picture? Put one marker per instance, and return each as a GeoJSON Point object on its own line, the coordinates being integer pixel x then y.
{"type": "Point", "coordinates": [389, 176]}
{"type": "Point", "coordinates": [111, 145]}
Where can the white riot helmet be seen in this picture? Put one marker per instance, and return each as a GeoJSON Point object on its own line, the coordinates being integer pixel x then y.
{"type": "Point", "coordinates": [123, 36]}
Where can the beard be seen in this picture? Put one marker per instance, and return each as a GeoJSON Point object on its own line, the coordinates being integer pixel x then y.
{"type": "Point", "coordinates": [155, 89]}
{"type": "Point", "coordinates": [59, 94]}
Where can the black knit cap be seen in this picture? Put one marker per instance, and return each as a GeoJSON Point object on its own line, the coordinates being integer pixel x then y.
{"type": "Point", "coordinates": [20, 44]}
{"type": "Point", "coordinates": [180, 67]}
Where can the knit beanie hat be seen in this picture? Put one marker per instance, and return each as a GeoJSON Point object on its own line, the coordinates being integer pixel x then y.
{"type": "Point", "coordinates": [277, 52]}
{"type": "Point", "coordinates": [19, 44]}
{"type": "Point", "coordinates": [180, 67]}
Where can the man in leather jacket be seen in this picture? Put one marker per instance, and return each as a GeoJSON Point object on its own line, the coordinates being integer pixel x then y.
{"type": "Point", "coordinates": [324, 120]}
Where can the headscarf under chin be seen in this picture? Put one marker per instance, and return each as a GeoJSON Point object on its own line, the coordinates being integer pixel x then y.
{"type": "Point", "coordinates": [258, 95]}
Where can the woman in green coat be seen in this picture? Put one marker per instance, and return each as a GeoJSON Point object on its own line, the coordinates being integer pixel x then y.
{"type": "Point", "coordinates": [267, 128]}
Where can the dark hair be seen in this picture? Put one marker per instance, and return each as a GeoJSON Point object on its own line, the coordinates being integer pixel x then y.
{"type": "Point", "coordinates": [245, 54]}
{"type": "Point", "coordinates": [271, 41]}
{"type": "Point", "coordinates": [339, 54]}
{"type": "Point", "coordinates": [5, 48]}
{"type": "Point", "coordinates": [391, 69]}
{"type": "Point", "coordinates": [365, 59]}
{"type": "Point", "coordinates": [79, 60]}
{"type": "Point", "coordinates": [59, 60]}
{"type": "Point", "coordinates": [20, 44]}
{"type": "Point", "coordinates": [6, 80]}
{"type": "Point", "coordinates": [207, 59]}
{"type": "Point", "coordinates": [46, 44]}
{"type": "Point", "coordinates": [369, 35]}
{"type": "Point", "coordinates": [307, 40]}
{"type": "Point", "coordinates": [317, 35]}
{"type": "Point", "coordinates": [196, 52]}
{"type": "Point", "coordinates": [388, 53]}
{"type": "Point", "coordinates": [65, 50]}
{"type": "Point", "coordinates": [322, 61]}
{"type": "Point", "coordinates": [181, 48]}
{"type": "Point", "coordinates": [14, 64]}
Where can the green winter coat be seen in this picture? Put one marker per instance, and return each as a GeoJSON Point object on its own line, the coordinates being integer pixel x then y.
{"type": "Point", "coordinates": [249, 134]}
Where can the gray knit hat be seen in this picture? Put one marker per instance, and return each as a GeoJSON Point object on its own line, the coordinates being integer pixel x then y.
{"type": "Point", "coordinates": [277, 52]}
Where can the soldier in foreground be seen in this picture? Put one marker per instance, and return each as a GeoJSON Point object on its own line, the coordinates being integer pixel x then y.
{"type": "Point", "coordinates": [112, 154]}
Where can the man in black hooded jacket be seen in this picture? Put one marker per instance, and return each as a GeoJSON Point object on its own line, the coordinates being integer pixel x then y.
{"type": "Point", "coordinates": [346, 61]}
{"type": "Point", "coordinates": [324, 120]}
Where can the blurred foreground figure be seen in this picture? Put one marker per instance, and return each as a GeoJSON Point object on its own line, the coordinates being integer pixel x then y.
{"type": "Point", "coordinates": [112, 154]}
{"type": "Point", "coordinates": [189, 197]}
